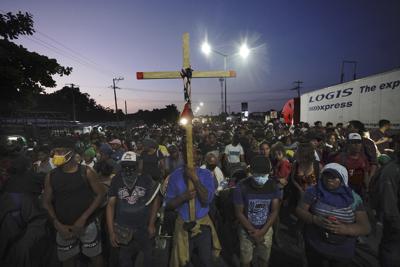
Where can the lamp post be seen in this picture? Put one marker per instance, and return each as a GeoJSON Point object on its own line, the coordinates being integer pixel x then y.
{"type": "Point", "coordinates": [244, 52]}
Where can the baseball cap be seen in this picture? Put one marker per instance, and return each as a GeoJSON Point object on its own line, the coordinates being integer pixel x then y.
{"type": "Point", "coordinates": [150, 143]}
{"type": "Point", "coordinates": [128, 159]}
{"type": "Point", "coordinates": [115, 142]}
{"type": "Point", "coordinates": [260, 164]}
{"type": "Point", "coordinates": [354, 138]}
{"type": "Point", "coordinates": [106, 149]}
{"type": "Point", "coordinates": [129, 156]}
{"type": "Point", "coordinates": [90, 152]}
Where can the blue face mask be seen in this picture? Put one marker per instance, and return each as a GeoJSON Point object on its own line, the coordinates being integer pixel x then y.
{"type": "Point", "coordinates": [260, 180]}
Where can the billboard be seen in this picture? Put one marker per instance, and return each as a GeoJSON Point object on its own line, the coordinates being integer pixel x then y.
{"type": "Point", "coordinates": [368, 100]}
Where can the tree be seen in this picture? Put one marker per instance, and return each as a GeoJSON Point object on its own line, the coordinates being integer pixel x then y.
{"type": "Point", "coordinates": [23, 74]}
{"type": "Point", "coordinates": [86, 108]}
{"type": "Point", "coordinates": [169, 114]}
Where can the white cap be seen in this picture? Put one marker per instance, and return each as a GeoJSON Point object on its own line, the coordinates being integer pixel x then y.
{"type": "Point", "coordinates": [354, 136]}
{"type": "Point", "coordinates": [129, 156]}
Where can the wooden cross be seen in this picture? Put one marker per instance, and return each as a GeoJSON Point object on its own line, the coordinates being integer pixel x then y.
{"type": "Point", "coordinates": [188, 126]}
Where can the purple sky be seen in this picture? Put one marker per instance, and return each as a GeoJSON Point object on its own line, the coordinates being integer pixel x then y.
{"type": "Point", "coordinates": [290, 40]}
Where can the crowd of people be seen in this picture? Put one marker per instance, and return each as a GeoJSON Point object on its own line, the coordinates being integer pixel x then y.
{"type": "Point", "coordinates": [110, 197]}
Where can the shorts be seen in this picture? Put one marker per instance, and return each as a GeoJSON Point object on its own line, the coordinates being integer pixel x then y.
{"type": "Point", "coordinates": [89, 243]}
{"type": "Point", "coordinates": [248, 247]}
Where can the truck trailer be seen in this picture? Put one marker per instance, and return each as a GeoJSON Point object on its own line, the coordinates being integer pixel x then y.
{"type": "Point", "coordinates": [368, 100]}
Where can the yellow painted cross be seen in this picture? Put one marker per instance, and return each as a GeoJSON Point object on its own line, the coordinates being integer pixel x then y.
{"type": "Point", "coordinates": [178, 75]}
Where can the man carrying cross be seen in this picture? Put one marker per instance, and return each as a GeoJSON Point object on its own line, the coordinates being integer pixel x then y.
{"type": "Point", "coordinates": [190, 189]}
{"type": "Point", "coordinates": [191, 234]}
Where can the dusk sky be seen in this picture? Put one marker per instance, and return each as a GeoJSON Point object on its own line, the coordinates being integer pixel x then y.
{"type": "Point", "coordinates": [289, 41]}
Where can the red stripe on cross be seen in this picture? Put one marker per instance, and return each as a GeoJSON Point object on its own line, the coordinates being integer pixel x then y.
{"type": "Point", "coordinates": [139, 75]}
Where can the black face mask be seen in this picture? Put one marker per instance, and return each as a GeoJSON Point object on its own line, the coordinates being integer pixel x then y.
{"type": "Point", "coordinates": [211, 167]}
{"type": "Point", "coordinates": [129, 176]}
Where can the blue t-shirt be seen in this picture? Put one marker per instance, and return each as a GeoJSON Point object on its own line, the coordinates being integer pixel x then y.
{"type": "Point", "coordinates": [131, 209]}
{"type": "Point", "coordinates": [177, 186]}
{"type": "Point", "coordinates": [257, 201]}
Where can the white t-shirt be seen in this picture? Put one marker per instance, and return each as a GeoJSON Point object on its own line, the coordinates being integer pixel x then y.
{"type": "Point", "coordinates": [233, 153]}
{"type": "Point", "coordinates": [217, 173]}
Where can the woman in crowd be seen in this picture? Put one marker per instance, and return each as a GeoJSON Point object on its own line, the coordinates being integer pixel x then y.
{"type": "Point", "coordinates": [305, 170]}
{"type": "Point", "coordinates": [334, 216]}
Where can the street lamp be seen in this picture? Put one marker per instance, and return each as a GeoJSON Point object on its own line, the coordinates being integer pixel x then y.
{"type": "Point", "coordinates": [244, 52]}
{"type": "Point", "coordinates": [206, 48]}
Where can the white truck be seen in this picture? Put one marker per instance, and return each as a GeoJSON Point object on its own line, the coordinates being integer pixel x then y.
{"type": "Point", "coordinates": [368, 100]}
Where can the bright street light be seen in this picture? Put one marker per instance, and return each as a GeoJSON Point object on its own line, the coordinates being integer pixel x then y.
{"type": "Point", "coordinates": [244, 51]}
{"type": "Point", "coordinates": [206, 48]}
{"type": "Point", "coordinates": [201, 104]}
{"type": "Point", "coordinates": [183, 121]}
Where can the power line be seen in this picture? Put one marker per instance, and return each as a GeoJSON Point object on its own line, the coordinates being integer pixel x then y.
{"type": "Point", "coordinates": [283, 91]}
{"type": "Point", "coordinates": [66, 47]}
{"type": "Point", "coordinates": [297, 88]}
{"type": "Point", "coordinates": [67, 55]}
{"type": "Point", "coordinates": [62, 53]}
{"type": "Point", "coordinates": [150, 100]}
{"type": "Point", "coordinates": [75, 52]}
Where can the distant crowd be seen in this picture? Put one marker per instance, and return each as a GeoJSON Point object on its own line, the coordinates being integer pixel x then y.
{"type": "Point", "coordinates": [114, 197]}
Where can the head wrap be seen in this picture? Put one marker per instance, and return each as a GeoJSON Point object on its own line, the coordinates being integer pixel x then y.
{"type": "Point", "coordinates": [342, 196]}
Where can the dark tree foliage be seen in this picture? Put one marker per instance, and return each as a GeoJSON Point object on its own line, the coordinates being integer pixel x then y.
{"type": "Point", "coordinates": [23, 74]}
{"type": "Point", "coordinates": [11, 26]}
{"type": "Point", "coordinates": [168, 114]}
{"type": "Point", "coordinates": [87, 109]}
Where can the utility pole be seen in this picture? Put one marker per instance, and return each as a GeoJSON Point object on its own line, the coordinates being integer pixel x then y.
{"type": "Point", "coordinates": [297, 88]}
{"type": "Point", "coordinates": [354, 69]}
{"type": "Point", "coordinates": [126, 110]}
{"type": "Point", "coordinates": [222, 94]}
{"type": "Point", "coordinates": [73, 86]}
{"type": "Point", "coordinates": [115, 94]}
{"type": "Point", "coordinates": [225, 64]}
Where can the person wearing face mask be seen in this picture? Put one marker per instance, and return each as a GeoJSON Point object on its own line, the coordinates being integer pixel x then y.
{"type": "Point", "coordinates": [72, 194]}
{"type": "Point", "coordinates": [257, 202]}
{"type": "Point", "coordinates": [130, 214]}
